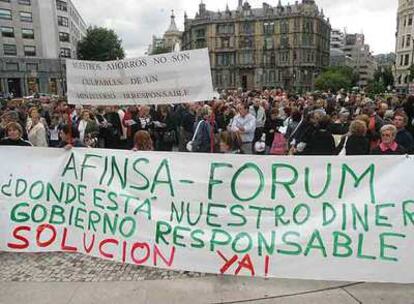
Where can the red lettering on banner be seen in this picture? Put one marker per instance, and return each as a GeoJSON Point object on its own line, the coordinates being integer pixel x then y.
{"type": "Point", "coordinates": [39, 233]}
{"type": "Point", "coordinates": [246, 263]}
{"type": "Point", "coordinates": [124, 245]}
{"type": "Point", "coordinates": [228, 263]}
{"type": "Point", "coordinates": [25, 242]}
{"type": "Point", "coordinates": [88, 249]}
{"type": "Point", "coordinates": [140, 246]}
{"type": "Point", "coordinates": [64, 246]}
{"type": "Point", "coordinates": [267, 260]}
{"type": "Point", "coordinates": [158, 253]}
{"type": "Point", "coordinates": [103, 243]}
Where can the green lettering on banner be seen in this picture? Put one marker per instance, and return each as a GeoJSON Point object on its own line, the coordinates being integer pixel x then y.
{"type": "Point", "coordinates": [163, 166]}
{"type": "Point", "coordinates": [260, 187]}
{"type": "Point", "coordinates": [259, 214]}
{"type": "Point", "coordinates": [347, 170]}
{"type": "Point", "coordinates": [361, 255]}
{"type": "Point", "coordinates": [280, 211]}
{"type": "Point", "coordinates": [408, 215]}
{"type": "Point", "coordinates": [325, 219]}
{"type": "Point", "coordinates": [296, 212]}
{"type": "Point", "coordinates": [345, 245]}
{"type": "Point", "coordinates": [122, 176]}
{"type": "Point", "coordinates": [316, 242]}
{"type": "Point", "coordinates": [71, 166]}
{"type": "Point", "coordinates": [8, 185]}
{"type": "Point", "coordinates": [198, 240]}
{"type": "Point", "coordinates": [384, 245]}
{"type": "Point", "coordinates": [382, 220]}
{"type": "Point", "coordinates": [85, 164]}
{"type": "Point", "coordinates": [18, 216]}
{"type": "Point", "coordinates": [211, 215]}
{"type": "Point", "coordinates": [264, 244]}
{"type": "Point", "coordinates": [57, 216]}
{"type": "Point", "coordinates": [39, 214]}
{"type": "Point", "coordinates": [217, 239]}
{"type": "Point", "coordinates": [286, 184]}
{"type": "Point", "coordinates": [146, 184]}
{"type": "Point", "coordinates": [162, 229]}
{"type": "Point", "coordinates": [19, 192]}
{"type": "Point", "coordinates": [327, 182]}
{"type": "Point", "coordinates": [32, 190]}
{"type": "Point", "coordinates": [233, 212]}
{"type": "Point", "coordinates": [79, 220]}
{"type": "Point", "coordinates": [296, 246]}
{"type": "Point", "coordinates": [245, 239]}
{"type": "Point", "coordinates": [358, 218]}
{"type": "Point", "coordinates": [177, 236]}
{"type": "Point", "coordinates": [94, 218]}
{"type": "Point", "coordinates": [212, 181]}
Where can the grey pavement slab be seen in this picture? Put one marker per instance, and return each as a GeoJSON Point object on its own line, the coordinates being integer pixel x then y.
{"type": "Point", "coordinates": [383, 293]}
{"type": "Point", "coordinates": [203, 290]}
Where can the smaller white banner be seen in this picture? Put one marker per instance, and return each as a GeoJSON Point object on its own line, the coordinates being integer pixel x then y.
{"type": "Point", "coordinates": [161, 79]}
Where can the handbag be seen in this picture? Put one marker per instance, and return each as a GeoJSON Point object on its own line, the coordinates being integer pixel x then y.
{"type": "Point", "coordinates": [189, 145]}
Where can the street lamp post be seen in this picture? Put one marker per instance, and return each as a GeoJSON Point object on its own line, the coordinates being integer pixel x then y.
{"type": "Point", "coordinates": [62, 82]}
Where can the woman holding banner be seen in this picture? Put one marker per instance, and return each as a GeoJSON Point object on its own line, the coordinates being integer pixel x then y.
{"type": "Point", "coordinates": [14, 133]}
{"type": "Point", "coordinates": [388, 145]}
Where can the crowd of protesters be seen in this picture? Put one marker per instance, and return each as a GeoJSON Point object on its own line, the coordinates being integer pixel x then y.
{"type": "Point", "coordinates": [269, 122]}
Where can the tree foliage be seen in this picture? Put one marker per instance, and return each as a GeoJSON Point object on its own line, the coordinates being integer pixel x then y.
{"type": "Point", "coordinates": [161, 50]}
{"type": "Point", "coordinates": [384, 75]}
{"type": "Point", "coordinates": [100, 44]}
{"type": "Point", "coordinates": [336, 78]}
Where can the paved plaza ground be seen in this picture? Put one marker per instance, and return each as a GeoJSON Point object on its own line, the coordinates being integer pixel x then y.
{"type": "Point", "coordinates": [76, 279]}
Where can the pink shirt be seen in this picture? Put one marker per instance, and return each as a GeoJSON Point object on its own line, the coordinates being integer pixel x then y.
{"type": "Point", "coordinates": [393, 147]}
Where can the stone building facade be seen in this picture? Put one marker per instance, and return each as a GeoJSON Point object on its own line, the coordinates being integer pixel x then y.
{"type": "Point", "coordinates": [404, 47]}
{"type": "Point", "coordinates": [268, 47]}
{"type": "Point", "coordinates": [36, 36]}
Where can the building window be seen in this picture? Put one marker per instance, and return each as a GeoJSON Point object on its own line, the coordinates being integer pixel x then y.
{"type": "Point", "coordinates": [225, 59]}
{"type": "Point", "coordinates": [269, 28]}
{"type": "Point", "coordinates": [284, 26]}
{"type": "Point", "coordinates": [61, 5]}
{"type": "Point", "coordinates": [26, 17]}
{"type": "Point", "coordinates": [65, 53]}
{"type": "Point", "coordinates": [10, 49]}
{"type": "Point", "coordinates": [284, 41]}
{"type": "Point", "coordinates": [246, 58]}
{"type": "Point", "coordinates": [407, 59]}
{"type": "Point", "coordinates": [8, 1]}
{"type": "Point", "coordinates": [27, 34]}
{"type": "Point", "coordinates": [408, 41]}
{"type": "Point", "coordinates": [225, 42]}
{"type": "Point", "coordinates": [63, 21]}
{"type": "Point", "coordinates": [32, 66]}
{"type": "Point", "coordinates": [64, 37]}
{"type": "Point", "coordinates": [29, 50]}
{"type": "Point", "coordinates": [5, 14]}
{"type": "Point", "coordinates": [200, 33]}
{"type": "Point", "coordinates": [25, 2]}
{"type": "Point", "coordinates": [225, 29]}
{"type": "Point", "coordinates": [268, 43]}
{"type": "Point", "coordinates": [410, 20]}
{"type": "Point", "coordinates": [247, 28]}
{"type": "Point", "coordinates": [7, 32]}
{"type": "Point", "coordinates": [246, 42]}
{"type": "Point", "coordinates": [12, 66]}
{"type": "Point", "coordinates": [403, 41]}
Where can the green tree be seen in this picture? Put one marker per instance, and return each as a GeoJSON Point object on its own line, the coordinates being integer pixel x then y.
{"type": "Point", "coordinates": [160, 50]}
{"type": "Point", "coordinates": [336, 78]}
{"type": "Point", "coordinates": [385, 75]}
{"type": "Point", "coordinates": [100, 44]}
{"type": "Point", "coordinates": [375, 88]}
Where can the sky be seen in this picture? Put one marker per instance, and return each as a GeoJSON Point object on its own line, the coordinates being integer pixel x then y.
{"type": "Point", "coordinates": [135, 21]}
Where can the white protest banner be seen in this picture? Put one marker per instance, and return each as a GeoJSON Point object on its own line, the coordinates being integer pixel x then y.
{"type": "Point", "coordinates": [325, 218]}
{"type": "Point", "coordinates": [161, 79]}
